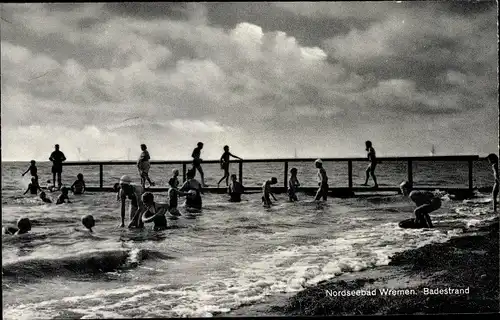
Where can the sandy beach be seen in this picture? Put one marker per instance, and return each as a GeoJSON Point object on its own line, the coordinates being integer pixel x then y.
{"type": "Point", "coordinates": [459, 276]}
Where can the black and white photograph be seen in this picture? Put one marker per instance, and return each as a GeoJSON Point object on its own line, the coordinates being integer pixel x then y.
{"type": "Point", "coordinates": [249, 159]}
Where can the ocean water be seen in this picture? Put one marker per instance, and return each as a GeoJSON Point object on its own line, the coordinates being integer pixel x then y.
{"type": "Point", "coordinates": [232, 255]}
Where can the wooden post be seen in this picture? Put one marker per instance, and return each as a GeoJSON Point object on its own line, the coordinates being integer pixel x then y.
{"type": "Point", "coordinates": [410, 172]}
{"type": "Point", "coordinates": [470, 175]}
{"type": "Point", "coordinates": [240, 168]}
{"type": "Point", "coordinates": [100, 176]}
{"type": "Point", "coordinates": [349, 169]}
{"type": "Point", "coordinates": [184, 172]}
{"type": "Point", "coordinates": [285, 176]}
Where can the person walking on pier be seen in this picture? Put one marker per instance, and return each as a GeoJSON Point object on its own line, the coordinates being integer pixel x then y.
{"type": "Point", "coordinates": [143, 165]}
{"type": "Point", "coordinates": [224, 164]}
{"type": "Point", "coordinates": [322, 181]}
{"type": "Point", "coordinates": [57, 158]}
{"type": "Point", "coordinates": [493, 159]}
{"type": "Point", "coordinates": [197, 162]}
{"type": "Point", "coordinates": [370, 170]}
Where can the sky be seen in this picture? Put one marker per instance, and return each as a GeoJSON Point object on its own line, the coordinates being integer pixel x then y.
{"type": "Point", "coordinates": [264, 78]}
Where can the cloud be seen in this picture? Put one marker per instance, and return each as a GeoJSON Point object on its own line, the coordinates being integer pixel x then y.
{"type": "Point", "coordinates": [89, 68]}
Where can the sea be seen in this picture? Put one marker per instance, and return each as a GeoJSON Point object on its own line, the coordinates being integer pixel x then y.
{"type": "Point", "coordinates": [232, 255]}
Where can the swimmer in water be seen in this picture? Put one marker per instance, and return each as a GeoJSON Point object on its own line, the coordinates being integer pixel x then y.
{"type": "Point", "coordinates": [235, 189]}
{"type": "Point", "coordinates": [64, 196]}
{"type": "Point", "coordinates": [293, 184]}
{"type": "Point", "coordinates": [493, 159]}
{"type": "Point", "coordinates": [78, 187]}
{"type": "Point", "coordinates": [370, 170]}
{"type": "Point", "coordinates": [224, 164]}
{"type": "Point", "coordinates": [33, 187]}
{"type": "Point", "coordinates": [154, 212]}
{"type": "Point", "coordinates": [88, 222]}
{"type": "Point", "coordinates": [193, 190]}
{"type": "Point", "coordinates": [426, 202]}
{"type": "Point", "coordinates": [23, 226]}
{"type": "Point", "coordinates": [32, 169]}
{"type": "Point", "coordinates": [266, 191]}
{"type": "Point", "coordinates": [322, 181]}
{"type": "Point", "coordinates": [130, 191]}
{"type": "Point", "coordinates": [44, 198]}
{"type": "Point", "coordinates": [197, 162]}
{"type": "Point", "coordinates": [143, 165]}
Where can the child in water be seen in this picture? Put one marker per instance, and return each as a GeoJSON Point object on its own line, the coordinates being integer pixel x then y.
{"type": "Point", "coordinates": [154, 212]}
{"type": "Point", "coordinates": [88, 222]}
{"type": "Point", "coordinates": [493, 159]}
{"type": "Point", "coordinates": [23, 226]}
{"type": "Point", "coordinates": [78, 187]}
{"type": "Point", "coordinates": [235, 189]}
{"type": "Point", "coordinates": [370, 170]}
{"type": "Point", "coordinates": [33, 187]}
{"type": "Point", "coordinates": [64, 196]}
{"type": "Point", "coordinates": [322, 181]}
{"type": "Point", "coordinates": [266, 191]}
{"type": "Point", "coordinates": [224, 164]}
{"type": "Point", "coordinates": [293, 183]}
{"type": "Point", "coordinates": [193, 191]}
{"type": "Point", "coordinates": [426, 203]}
{"type": "Point", "coordinates": [32, 169]}
{"type": "Point", "coordinates": [44, 198]}
{"type": "Point", "coordinates": [174, 193]}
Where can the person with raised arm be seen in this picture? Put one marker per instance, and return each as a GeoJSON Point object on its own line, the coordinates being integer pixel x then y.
{"type": "Point", "coordinates": [32, 169]}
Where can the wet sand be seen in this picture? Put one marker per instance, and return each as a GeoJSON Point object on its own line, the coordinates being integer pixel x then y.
{"type": "Point", "coordinates": [469, 263]}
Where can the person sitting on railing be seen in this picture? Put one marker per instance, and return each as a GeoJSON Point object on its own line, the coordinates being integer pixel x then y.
{"type": "Point", "coordinates": [293, 184]}
{"type": "Point", "coordinates": [370, 170]}
{"type": "Point", "coordinates": [154, 212]}
{"type": "Point", "coordinates": [143, 165]}
{"type": "Point", "coordinates": [266, 192]}
{"type": "Point", "coordinates": [78, 187]}
{"type": "Point", "coordinates": [193, 191]}
{"type": "Point", "coordinates": [133, 193]}
{"type": "Point", "coordinates": [493, 159]}
{"type": "Point", "coordinates": [322, 181]}
{"type": "Point", "coordinates": [197, 162]}
{"type": "Point", "coordinates": [224, 164]}
{"type": "Point", "coordinates": [426, 202]}
{"type": "Point", "coordinates": [235, 189]}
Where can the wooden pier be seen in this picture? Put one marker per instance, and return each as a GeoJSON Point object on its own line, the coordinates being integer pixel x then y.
{"type": "Point", "coordinates": [348, 191]}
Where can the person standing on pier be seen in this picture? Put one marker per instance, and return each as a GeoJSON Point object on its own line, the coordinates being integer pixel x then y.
{"type": "Point", "coordinates": [370, 170]}
{"type": "Point", "coordinates": [493, 159]}
{"type": "Point", "coordinates": [197, 163]}
{"type": "Point", "coordinates": [322, 181]}
{"type": "Point", "coordinates": [134, 193]}
{"type": "Point", "coordinates": [57, 158]}
{"type": "Point", "coordinates": [143, 165]}
{"type": "Point", "coordinates": [224, 164]}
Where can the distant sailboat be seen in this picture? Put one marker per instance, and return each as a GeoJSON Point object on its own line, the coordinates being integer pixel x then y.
{"type": "Point", "coordinates": [433, 151]}
{"type": "Point", "coordinates": [295, 153]}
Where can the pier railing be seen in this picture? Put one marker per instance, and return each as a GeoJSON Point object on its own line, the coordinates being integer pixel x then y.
{"type": "Point", "coordinates": [185, 163]}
